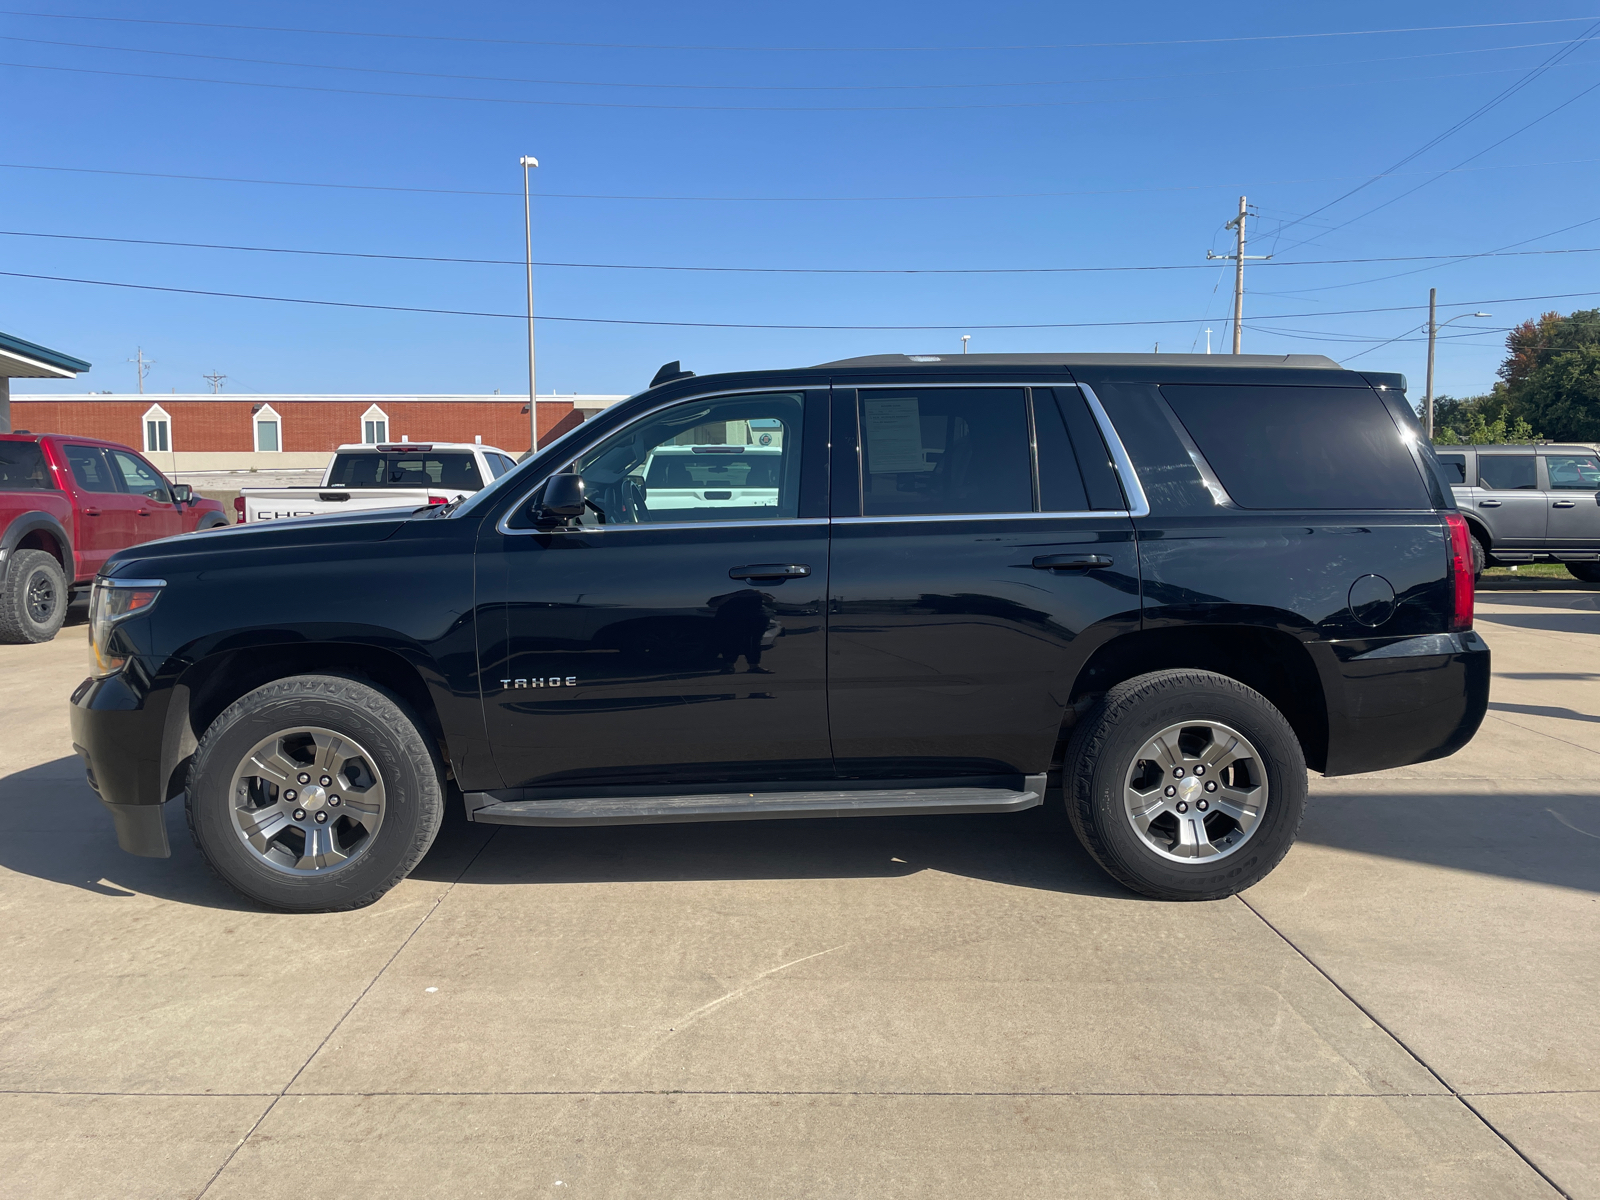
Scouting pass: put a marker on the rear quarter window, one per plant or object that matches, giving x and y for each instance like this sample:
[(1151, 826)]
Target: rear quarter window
[(23, 469), (1300, 447)]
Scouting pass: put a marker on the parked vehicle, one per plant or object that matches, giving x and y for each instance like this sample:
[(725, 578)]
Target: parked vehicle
[(66, 505), (1164, 585), (396, 475), (1529, 503)]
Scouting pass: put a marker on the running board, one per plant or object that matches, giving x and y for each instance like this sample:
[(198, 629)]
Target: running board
[(769, 806)]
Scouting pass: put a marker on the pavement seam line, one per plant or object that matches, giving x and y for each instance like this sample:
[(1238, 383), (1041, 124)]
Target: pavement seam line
[(1415, 1057), (371, 983)]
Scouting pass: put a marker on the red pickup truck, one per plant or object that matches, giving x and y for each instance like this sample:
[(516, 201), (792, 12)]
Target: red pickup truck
[(66, 505)]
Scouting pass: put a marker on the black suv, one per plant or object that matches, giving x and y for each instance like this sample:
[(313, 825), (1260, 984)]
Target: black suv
[(898, 584)]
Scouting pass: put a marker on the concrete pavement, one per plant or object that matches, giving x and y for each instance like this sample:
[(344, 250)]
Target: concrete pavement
[(918, 1007)]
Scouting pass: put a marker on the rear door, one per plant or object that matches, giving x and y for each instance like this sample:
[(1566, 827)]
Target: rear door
[(104, 511), (1572, 490), (156, 515), (981, 549), (1509, 500)]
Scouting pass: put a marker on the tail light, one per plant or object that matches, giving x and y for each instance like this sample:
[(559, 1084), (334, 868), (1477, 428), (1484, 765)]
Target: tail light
[(238, 510), (438, 500), (1460, 570)]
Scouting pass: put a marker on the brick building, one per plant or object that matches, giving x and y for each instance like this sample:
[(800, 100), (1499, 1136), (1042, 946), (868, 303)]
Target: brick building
[(193, 433)]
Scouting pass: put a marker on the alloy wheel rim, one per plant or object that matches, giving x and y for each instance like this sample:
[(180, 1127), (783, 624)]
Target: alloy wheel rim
[(41, 598), (1196, 792), (307, 801)]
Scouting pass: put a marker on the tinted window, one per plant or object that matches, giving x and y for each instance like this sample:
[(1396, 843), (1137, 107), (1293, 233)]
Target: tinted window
[(1573, 472), (22, 467), (1454, 469), (1291, 447), (734, 459), (139, 476), (90, 469), (417, 469), (945, 450), (1506, 472), (1075, 470)]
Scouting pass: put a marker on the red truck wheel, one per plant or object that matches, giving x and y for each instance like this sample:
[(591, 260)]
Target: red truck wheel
[(35, 599)]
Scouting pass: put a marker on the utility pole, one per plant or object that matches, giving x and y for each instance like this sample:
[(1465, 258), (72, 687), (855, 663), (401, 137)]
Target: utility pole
[(1433, 328), (144, 365), (527, 219), (215, 380), (1238, 258)]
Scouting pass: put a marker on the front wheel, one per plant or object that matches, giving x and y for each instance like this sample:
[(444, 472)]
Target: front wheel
[(35, 600), (1589, 572), (315, 793), (1185, 785)]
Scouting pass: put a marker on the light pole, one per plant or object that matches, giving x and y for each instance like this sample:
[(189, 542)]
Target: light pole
[(965, 338), (527, 222), (1433, 329)]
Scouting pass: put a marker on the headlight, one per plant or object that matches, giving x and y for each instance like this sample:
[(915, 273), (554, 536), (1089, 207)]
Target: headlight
[(110, 602)]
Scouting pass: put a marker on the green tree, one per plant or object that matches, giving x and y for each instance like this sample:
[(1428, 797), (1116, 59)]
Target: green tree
[(1551, 375)]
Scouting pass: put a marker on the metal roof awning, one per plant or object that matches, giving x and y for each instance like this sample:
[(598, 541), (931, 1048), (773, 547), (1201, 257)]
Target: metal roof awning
[(21, 359)]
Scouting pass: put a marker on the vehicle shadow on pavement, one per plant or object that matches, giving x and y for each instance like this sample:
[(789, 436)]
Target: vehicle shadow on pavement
[(1552, 839)]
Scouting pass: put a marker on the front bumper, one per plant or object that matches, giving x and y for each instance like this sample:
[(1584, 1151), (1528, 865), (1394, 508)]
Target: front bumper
[(118, 731), (1393, 702)]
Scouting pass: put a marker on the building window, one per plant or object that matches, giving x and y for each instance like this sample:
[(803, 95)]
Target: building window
[(269, 430), (374, 426), (157, 430)]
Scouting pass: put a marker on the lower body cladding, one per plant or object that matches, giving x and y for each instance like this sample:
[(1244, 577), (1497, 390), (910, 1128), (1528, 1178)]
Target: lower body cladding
[(600, 807), (1397, 701)]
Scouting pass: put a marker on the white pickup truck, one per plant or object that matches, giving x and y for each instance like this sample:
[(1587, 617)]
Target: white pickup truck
[(390, 475)]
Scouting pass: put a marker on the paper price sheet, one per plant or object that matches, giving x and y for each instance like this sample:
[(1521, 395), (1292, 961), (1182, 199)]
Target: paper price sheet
[(893, 427)]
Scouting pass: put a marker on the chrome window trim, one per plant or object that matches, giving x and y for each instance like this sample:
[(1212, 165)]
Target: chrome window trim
[(1011, 516), (1133, 491)]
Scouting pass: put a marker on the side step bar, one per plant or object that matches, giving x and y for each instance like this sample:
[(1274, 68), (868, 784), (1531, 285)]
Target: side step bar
[(770, 806)]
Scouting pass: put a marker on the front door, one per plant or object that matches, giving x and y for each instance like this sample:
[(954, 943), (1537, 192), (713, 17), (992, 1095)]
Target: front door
[(1573, 501), (984, 554), (1510, 502), (672, 636), (155, 514)]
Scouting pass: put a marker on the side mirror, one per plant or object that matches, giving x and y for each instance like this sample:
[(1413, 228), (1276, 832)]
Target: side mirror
[(563, 498), (182, 493)]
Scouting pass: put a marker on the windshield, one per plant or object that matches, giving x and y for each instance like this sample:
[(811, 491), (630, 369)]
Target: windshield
[(419, 469)]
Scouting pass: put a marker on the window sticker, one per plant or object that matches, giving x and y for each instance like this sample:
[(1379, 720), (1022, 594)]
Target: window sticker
[(893, 426)]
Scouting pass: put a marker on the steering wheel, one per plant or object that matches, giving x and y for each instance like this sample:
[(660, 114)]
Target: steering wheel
[(632, 493)]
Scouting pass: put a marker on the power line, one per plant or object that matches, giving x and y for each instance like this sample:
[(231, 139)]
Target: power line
[(759, 87), (373, 187), (522, 316), (612, 104), (423, 37), (517, 262), (1482, 110)]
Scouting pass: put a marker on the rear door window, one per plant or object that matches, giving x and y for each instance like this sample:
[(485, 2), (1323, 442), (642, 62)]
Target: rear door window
[(1075, 470), (945, 451), (1300, 447), (90, 470), (1507, 473), (1573, 472), (22, 468), (1453, 468)]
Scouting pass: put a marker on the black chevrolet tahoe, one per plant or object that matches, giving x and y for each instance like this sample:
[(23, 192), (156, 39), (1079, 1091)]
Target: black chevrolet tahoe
[(1152, 588)]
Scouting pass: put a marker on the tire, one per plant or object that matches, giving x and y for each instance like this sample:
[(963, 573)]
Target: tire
[(384, 800), (1480, 557), (1589, 572), (1105, 765), (36, 598)]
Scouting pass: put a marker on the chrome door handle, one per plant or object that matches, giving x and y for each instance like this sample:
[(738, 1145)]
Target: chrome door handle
[(1565, 504), (1071, 562), (770, 571), (1488, 504)]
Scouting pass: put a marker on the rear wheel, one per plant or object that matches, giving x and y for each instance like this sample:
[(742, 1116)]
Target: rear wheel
[(1185, 785), (35, 600), (1589, 572), (315, 793), (1480, 557)]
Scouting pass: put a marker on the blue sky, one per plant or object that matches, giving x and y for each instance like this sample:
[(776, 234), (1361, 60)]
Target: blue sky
[(787, 137)]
